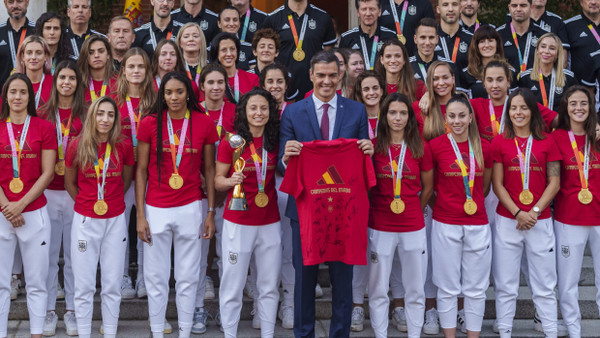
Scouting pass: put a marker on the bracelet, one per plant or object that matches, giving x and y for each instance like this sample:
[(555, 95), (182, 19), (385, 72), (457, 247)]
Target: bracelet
[(515, 215), (212, 210)]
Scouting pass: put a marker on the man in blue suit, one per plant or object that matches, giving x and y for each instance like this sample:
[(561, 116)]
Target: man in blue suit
[(321, 116)]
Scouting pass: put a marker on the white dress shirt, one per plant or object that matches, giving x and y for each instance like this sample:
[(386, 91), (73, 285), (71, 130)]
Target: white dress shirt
[(330, 112)]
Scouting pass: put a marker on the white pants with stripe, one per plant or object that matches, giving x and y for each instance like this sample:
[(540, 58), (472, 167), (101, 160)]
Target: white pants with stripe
[(34, 245), (412, 250), (60, 209), (239, 243), (462, 259), (570, 246), (201, 289), (539, 244), (97, 240), (179, 227)]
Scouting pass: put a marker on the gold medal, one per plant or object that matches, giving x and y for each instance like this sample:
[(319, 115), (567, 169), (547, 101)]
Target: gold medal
[(299, 55), (176, 181), (402, 38), (100, 207), (397, 206), (16, 185), (585, 196), (470, 207), (59, 168), (261, 200), (526, 197)]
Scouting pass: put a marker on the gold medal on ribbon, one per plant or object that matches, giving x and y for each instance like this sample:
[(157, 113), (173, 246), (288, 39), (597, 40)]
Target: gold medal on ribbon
[(176, 181), (397, 206), (299, 55), (470, 207), (402, 38), (16, 185), (59, 168), (585, 196), (100, 207), (261, 200), (526, 197)]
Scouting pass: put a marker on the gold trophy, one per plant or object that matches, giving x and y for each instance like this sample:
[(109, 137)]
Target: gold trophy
[(238, 200)]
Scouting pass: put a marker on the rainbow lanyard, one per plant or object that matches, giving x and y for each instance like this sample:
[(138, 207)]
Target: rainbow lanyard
[(93, 91), (134, 121), (261, 171), (62, 136), (454, 51), (17, 147), (399, 23), (584, 168), (11, 45), (548, 103), (38, 95), (524, 161), (176, 156), (594, 33), (236, 86), (397, 167), (522, 58), (501, 128), (104, 170), (468, 178), (189, 73), (245, 29), (495, 124), (298, 39), (220, 123), (373, 132), (369, 61)]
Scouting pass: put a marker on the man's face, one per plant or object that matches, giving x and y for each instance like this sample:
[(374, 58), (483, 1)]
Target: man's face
[(539, 3), (449, 11), (240, 3), (80, 12), (426, 38), (590, 7), (16, 9), (520, 10), (325, 77), (368, 12), (162, 8), (120, 36), (469, 8)]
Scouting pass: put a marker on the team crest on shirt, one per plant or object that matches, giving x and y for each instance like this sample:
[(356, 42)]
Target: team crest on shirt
[(564, 250), (82, 245), (374, 257), (379, 45), (463, 47), (412, 9), (559, 90), (204, 25), (312, 24), (534, 41), (242, 57), (546, 27), (233, 257), (252, 26)]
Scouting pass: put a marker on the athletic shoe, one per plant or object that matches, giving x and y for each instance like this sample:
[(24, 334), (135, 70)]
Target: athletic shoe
[(495, 326), (15, 287), (358, 319), (460, 321), (140, 288), (286, 315), (399, 319), (50, 324), (166, 330), (318, 291), (200, 319), (218, 321), (70, 323), (209, 290), (562, 330), (249, 290), (432, 323), (127, 290), (60, 292), (255, 316)]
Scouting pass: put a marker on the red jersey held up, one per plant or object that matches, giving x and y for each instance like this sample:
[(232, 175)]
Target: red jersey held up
[(330, 180)]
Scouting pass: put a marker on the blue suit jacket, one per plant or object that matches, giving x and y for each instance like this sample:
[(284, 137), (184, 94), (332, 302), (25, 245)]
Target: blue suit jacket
[(299, 122)]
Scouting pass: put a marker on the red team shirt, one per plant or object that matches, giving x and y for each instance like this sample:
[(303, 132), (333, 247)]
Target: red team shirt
[(247, 82), (542, 151), (449, 186), (201, 131), (567, 208), (255, 215), (381, 216), (330, 180), (46, 89), (41, 135), (421, 118), (87, 183), (421, 89), (228, 116), (112, 85)]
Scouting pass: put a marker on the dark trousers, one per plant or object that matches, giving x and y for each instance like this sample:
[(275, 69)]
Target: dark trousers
[(340, 275)]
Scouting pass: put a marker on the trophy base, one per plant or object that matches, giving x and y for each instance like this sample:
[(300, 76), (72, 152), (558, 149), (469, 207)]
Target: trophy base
[(238, 204)]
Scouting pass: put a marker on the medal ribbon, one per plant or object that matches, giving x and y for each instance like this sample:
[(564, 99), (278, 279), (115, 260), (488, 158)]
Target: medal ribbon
[(236, 86), (261, 171), (501, 129), (468, 178), (455, 50), (189, 73), (522, 58), (220, 123), (594, 33), (476, 24), (399, 23), (548, 104), (153, 37), (157, 79), (62, 138), (176, 157), (495, 124), (17, 148), (423, 71), (397, 181), (373, 132), (524, 162), (369, 61), (38, 95), (11, 44), (584, 168), (132, 121), (248, 13), (104, 170), (298, 40), (283, 105), (93, 91)]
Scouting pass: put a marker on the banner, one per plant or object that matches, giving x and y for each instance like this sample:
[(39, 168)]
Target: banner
[(133, 10)]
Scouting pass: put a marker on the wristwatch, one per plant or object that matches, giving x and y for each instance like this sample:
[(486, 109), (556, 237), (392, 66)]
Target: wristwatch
[(537, 209)]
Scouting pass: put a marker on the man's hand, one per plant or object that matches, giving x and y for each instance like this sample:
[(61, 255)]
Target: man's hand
[(366, 146), (292, 148)]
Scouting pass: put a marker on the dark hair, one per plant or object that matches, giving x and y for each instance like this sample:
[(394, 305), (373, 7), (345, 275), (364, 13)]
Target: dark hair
[(179, 66), (485, 32), (530, 1), (160, 106), (215, 67), (564, 121), (536, 123), (472, 130), (407, 84), (5, 113), (426, 22), (79, 108), (83, 64), (271, 132), (274, 66), (498, 64), (213, 55), (227, 8), (325, 56), (357, 2), (64, 49), (266, 33), (357, 92), (411, 131)]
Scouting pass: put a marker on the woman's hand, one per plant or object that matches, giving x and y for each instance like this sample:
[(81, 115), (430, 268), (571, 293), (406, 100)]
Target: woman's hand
[(12, 210), (143, 230), (235, 179), (526, 220), (209, 226)]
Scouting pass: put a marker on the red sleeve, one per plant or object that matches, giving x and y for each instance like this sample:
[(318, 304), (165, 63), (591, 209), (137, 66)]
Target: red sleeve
[(553, 150), (426, 163), (419, 116), (71, 153), (548, 116), (292, 183), (421, 89), (145, 131), (487, 154), (497, 149), (127, 150), (49, 136), (225, 153)]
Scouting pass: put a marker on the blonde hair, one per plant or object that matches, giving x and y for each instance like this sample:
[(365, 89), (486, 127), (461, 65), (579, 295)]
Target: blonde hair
[(559, 79), (20, 66), (89, 140), (203, 53), (434, 126), (148, 95)]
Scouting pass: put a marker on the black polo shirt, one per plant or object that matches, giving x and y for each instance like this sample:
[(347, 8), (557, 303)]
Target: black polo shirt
[(255, 22), (143, 36), (525, 81), (207, 19), (583, 45), (352, 40), (474, 88), (289, 95), (416, 10), (319, 34), (447, 42), (471, 28), (117, 65), (246, 58), (554, 23), (77, 41), (527, 43), (6, 62)]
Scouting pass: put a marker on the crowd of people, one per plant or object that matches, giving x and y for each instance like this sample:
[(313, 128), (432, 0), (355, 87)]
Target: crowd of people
[(482, 145)]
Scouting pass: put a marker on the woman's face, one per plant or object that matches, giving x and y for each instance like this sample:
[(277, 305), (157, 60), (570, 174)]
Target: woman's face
[(458, 118), (397, 116), (275, 84), (371, 92), (547, 50), (190, 40), (98, 56), (519, 112), (17, 96), (355, 65), (135, 70), (578, 107), (214, 86), (487, 47), (105, 118), (176, 95), (257, 111), (392, 59), (496, 83), (227, 53), (34, 56), (229, 21), (51, 31), (266, 51), (443, 81), (167, 59), (66, 82)]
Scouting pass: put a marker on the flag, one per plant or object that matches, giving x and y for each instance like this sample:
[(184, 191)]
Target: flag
[(133, 10)]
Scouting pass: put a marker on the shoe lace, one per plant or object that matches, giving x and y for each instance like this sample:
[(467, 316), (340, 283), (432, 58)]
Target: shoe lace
[(201, 316)]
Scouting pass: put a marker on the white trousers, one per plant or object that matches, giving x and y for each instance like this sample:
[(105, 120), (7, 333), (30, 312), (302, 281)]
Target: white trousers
[(34, 244), (129, 203), (179, 227), (462, 259), (570, 246), (97, 240), (239, 242), (412, 250), (539, 244), (60, 209), (201, 289)]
